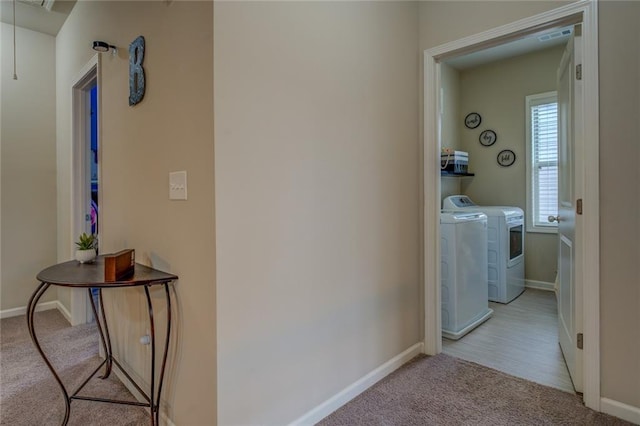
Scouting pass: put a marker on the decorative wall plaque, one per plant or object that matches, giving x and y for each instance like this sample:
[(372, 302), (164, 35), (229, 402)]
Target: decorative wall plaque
[(506, 158), (472, 120), (136, 72), (488, 137)]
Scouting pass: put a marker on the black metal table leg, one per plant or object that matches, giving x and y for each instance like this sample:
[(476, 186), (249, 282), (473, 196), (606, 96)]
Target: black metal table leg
[(152, 402), (166, 351), (106, 344), (107, 349), (70, 274), (31, 309)]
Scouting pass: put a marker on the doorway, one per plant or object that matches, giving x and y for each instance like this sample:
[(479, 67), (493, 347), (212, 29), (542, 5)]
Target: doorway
[(587, 258), (86, 197), (493, 85)]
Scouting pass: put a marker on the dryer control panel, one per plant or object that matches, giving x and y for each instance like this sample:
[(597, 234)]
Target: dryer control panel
[(456, 201)]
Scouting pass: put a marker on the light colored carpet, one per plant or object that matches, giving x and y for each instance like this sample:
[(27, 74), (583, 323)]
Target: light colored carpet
[(29, 395), (443, 390)]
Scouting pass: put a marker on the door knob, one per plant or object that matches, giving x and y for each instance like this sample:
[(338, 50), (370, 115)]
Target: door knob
[(553, 219)]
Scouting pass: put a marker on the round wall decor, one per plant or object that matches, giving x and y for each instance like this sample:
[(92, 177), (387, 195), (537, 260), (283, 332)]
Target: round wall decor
[(472, 120), (506, 157), (488, 137)]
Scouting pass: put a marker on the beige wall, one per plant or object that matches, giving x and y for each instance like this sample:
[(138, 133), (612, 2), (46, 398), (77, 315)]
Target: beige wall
[(170, 130), (619, 37), (445, 21), (450, 131), (619, 111), (318, 272), (497, 91), (28, 166), (316, 111)]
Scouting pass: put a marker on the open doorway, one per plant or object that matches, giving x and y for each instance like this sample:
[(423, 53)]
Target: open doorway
[(586, 270), (86, 170), (521, 337)]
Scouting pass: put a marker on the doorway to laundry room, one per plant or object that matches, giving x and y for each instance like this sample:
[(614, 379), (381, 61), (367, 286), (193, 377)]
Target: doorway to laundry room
[(499, 139), (578, 284)]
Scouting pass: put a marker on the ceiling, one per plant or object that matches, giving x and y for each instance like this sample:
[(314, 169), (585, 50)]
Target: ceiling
[(37, 18), (539, 41)]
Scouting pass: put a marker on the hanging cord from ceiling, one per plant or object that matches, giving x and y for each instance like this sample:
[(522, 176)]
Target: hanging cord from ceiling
[(15, 75)]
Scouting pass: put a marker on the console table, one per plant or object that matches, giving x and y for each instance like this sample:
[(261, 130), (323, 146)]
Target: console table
[(91, 275)]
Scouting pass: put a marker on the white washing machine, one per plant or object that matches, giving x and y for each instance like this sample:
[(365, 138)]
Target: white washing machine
[(505, 236), (463, 272)]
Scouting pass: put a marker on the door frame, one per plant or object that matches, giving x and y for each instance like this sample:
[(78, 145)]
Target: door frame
[(79, 310), (588, 255)]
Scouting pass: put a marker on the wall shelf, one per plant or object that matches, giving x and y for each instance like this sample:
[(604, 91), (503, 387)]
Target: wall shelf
[(452, 174)]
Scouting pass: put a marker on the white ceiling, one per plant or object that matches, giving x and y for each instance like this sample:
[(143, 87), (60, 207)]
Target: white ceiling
[(49, 22), (522, 46), (37, 18)]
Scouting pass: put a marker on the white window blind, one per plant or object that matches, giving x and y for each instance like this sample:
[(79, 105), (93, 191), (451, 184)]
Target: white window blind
[(542, 140)]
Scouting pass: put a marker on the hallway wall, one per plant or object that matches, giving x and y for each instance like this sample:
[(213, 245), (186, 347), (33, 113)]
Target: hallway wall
[(27, 164), (170, 130), (316, 200)]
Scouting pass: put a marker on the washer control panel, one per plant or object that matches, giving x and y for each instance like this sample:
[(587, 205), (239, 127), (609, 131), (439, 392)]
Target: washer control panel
[(456, 201)]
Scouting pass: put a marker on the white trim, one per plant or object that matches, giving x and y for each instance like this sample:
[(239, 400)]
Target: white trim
[(347, 394), (590, 246), (584, 11), (80, 313), (494, 37), (127, 384), (432, 313), (164, 419), (45, 306), (65, 313), (22, 310), (540, 285), (620, 410)]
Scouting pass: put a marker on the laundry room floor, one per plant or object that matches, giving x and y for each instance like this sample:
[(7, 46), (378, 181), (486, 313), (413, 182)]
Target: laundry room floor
[(521, 339)]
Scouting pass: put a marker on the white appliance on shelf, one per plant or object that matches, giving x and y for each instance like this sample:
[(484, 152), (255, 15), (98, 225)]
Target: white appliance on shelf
[(463, 273), (505, 257)]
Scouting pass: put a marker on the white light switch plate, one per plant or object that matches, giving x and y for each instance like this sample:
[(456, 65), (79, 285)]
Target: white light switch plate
[(178, 185)]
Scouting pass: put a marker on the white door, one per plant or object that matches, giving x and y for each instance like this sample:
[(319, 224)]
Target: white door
[(569, 286)]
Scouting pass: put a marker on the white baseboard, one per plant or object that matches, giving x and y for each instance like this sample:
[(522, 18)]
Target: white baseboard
[(164, 418), (620, 410), (8, 313), (65, 313), (347, 394), (540, 285)]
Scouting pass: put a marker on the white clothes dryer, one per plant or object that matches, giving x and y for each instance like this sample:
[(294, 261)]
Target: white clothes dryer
[(463, 272), (505, 255)]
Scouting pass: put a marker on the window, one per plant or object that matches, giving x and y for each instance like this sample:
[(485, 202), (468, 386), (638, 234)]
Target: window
[(542, 163)]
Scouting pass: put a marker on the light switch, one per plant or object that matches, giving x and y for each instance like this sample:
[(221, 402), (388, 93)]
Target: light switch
[(178, 185)]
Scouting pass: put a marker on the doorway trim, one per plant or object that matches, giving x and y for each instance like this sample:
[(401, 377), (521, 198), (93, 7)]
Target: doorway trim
[(588, 262), (90, 72)]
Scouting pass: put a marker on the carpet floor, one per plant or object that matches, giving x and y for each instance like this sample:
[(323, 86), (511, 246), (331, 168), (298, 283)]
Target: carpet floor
[(442, 390), (439, 390), (29, 395)]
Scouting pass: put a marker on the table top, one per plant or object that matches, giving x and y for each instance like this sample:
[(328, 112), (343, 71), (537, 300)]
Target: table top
[(76, 274)]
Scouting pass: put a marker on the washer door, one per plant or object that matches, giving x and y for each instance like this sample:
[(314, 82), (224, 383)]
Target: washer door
[(516, 242)]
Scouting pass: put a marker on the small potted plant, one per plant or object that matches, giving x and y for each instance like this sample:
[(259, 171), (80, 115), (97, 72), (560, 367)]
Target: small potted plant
[(87, 245)]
